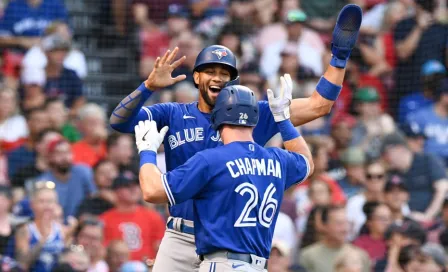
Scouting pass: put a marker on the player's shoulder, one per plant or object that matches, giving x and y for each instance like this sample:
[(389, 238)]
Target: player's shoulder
[(173, 107)]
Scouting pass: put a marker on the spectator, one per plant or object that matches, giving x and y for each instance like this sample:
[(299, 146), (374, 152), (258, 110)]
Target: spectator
[(37, 121), (148, 13), (432, 73), (411, 259), (190, 44), (396, 196), (142, 229), (13, 128), (117, 255), (433, 121), (24, 22), (378, 219), (76, 257), (424, 175), (435, 260), (120, 150), (75, 59), (374, 185), (73, 182), (313, 228), (92, 125), (38, 243), (310, 48), (155, 40), (58, 115), (185, 92), (372, 123), (349, 260), (33, 81), (231, 37), (25, 175), (90, 235), (283, 243), (418, 38), (353, 160), (6, 227), (322, 13), (415, 137), (335, 227), (61, 82), (104, 174), (210, 16), (251, 78)]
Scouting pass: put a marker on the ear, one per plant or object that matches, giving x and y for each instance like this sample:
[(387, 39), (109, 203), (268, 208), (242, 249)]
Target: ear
[(196, 77)]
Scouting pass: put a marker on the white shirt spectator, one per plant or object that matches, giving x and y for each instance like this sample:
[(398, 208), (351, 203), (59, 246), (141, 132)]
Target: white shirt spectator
[(356, 216), (310, 53), (75, 60), (13, 129)]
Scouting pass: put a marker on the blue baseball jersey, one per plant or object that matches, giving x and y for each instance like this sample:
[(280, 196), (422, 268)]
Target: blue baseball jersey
[(237, 190), (49, 254), (190, 131), (22, 19)]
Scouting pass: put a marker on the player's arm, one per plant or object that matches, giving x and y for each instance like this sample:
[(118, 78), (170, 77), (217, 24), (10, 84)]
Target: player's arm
[(176, 186), (345, 34), (129, 112)]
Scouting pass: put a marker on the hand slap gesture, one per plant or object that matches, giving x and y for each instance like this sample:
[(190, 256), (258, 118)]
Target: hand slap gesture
[(279, 105), (147, 137), (160, 76)]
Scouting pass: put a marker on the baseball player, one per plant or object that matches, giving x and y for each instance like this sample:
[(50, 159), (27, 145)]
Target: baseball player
[(189, 124), (236, 188)]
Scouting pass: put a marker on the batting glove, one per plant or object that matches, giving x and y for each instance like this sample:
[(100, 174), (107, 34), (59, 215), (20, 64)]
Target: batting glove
[(147, 137), (345, 34), (280, 105)]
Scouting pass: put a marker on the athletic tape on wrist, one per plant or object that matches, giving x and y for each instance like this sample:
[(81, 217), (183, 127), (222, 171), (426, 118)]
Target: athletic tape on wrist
[(148, 156), (327, 89), (146, 93), (287, 130)]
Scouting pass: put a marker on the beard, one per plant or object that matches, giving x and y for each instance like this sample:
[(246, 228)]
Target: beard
[(61, 168), (203, 91)]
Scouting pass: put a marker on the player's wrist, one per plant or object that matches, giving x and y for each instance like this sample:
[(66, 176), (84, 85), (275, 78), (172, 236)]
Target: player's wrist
[(287, 130), (148, 156), (328, 90), (145, 87)]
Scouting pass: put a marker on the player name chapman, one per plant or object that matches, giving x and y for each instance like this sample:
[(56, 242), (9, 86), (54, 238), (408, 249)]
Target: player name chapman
[(189, 135), (249, 166)]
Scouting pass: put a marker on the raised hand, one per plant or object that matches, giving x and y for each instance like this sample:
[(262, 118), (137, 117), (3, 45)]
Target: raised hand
[(280, 105), (147, 137), (160, 76)]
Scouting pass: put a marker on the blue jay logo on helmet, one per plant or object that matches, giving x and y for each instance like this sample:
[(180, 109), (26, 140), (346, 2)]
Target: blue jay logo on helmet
[(220, 53)]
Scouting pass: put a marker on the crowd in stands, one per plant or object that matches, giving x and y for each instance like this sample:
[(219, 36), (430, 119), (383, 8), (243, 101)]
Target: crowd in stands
[(377, 201)]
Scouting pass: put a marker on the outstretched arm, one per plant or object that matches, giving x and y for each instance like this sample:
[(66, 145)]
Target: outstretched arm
[(129, 112), (345, 34)]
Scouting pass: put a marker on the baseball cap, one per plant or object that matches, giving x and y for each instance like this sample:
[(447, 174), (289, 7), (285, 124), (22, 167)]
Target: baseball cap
[(432, 67), (353, 156), (395, 181), (410, 229), (435, 251), (393, 139), (33, 75), (124, 180), (411, 130), (55, 42), (295, 16), (134, 266), (175, 10), (367, 94), (343, 118)]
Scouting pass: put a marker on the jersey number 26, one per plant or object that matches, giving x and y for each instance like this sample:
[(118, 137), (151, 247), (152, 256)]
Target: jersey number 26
[(267, 204)]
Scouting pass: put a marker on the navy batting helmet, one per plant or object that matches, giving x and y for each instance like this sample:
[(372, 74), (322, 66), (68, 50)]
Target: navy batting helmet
[(235, 105), (217, 54)]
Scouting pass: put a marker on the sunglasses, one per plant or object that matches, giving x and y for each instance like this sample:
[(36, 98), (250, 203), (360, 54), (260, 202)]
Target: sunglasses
[(372, 176)]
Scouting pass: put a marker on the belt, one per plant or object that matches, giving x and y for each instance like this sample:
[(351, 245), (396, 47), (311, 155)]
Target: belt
[(183, 228), (247, 258)]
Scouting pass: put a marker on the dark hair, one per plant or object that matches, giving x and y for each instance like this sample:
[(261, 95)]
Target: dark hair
[(99, 163), (231, 29), (369, 208), (409, 253), (428, 5), (52, 100), (310, 233), (113, 139), (28, 113), (327, 210), (88, 222)]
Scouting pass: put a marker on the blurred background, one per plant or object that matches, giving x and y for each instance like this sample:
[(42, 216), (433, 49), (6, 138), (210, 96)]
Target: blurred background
[(69, 195)]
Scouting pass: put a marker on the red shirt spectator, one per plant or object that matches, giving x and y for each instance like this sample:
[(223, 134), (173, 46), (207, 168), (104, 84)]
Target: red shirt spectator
[(85, 153), (374, 247), (140, 228)]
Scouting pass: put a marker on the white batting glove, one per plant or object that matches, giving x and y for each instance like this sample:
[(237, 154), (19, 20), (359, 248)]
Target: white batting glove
[(280, 105), (147, 137)]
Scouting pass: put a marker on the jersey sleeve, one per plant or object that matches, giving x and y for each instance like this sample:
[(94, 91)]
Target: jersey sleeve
[(187, 180), (266, 127), (297, 167)]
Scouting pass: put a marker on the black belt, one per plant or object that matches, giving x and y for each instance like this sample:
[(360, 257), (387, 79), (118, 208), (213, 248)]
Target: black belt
[(183, 228), (239, 257)]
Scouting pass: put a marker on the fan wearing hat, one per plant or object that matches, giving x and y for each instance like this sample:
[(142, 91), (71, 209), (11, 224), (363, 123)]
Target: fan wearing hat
[(424, 176), (433, 122), (415, 137), (432, 73), (396, 197), (372, 124), (309, 46)]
